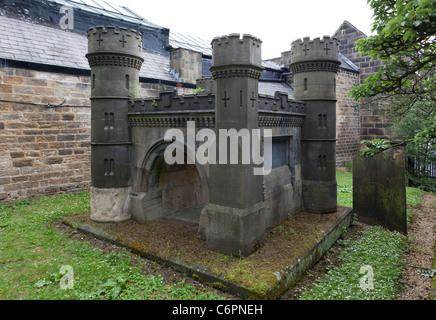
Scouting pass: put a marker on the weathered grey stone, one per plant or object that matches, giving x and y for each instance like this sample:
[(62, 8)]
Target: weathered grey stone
[(320, 196), (114, 56), (281, 199), (128, 145), (379, 190), (233, 222), (314, 65), (207, 84), (110, 204), (233, 230), (145, 207)]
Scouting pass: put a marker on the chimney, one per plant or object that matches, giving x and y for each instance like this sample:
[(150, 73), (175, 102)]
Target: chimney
[(186, 64)]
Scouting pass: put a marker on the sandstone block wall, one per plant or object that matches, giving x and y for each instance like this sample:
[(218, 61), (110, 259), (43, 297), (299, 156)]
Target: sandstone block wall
[(347, 118), (373, 124), (43, 149)]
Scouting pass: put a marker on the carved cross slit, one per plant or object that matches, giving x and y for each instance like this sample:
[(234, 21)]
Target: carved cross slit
[(99, 40), (326, 49), (123, 41), (253, 99), (225, 99)]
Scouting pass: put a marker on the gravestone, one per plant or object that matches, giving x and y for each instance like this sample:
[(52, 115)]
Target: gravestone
[(379, 189)]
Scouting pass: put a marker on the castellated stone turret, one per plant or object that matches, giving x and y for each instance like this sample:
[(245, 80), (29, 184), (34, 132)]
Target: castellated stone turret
[(234, 50), (233, 221), (314, 64), (114, 56), (236, 69)]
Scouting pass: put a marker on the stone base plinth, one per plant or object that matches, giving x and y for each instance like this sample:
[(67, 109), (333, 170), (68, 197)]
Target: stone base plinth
[(231, 230), (320, 196), (110, 204)]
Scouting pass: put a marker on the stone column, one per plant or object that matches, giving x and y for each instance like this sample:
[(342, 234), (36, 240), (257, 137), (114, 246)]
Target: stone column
[(114, 56), (314, 64), (233, 221)]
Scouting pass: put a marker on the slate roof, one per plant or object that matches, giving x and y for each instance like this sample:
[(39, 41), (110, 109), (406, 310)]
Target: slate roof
[(58, 47), (347, 64), (271, 65), (179, 40), (108, 9), (50, 46), (63, 48), (270, 88)]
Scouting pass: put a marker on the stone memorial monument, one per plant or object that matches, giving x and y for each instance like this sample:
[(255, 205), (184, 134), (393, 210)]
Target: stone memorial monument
[(131, 136)]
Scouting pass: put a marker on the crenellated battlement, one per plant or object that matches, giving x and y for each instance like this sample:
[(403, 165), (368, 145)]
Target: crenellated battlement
[(115, 41), (171, 101), (236, 50), (173, 110), (318, 49), (233, 38), (207, 84)]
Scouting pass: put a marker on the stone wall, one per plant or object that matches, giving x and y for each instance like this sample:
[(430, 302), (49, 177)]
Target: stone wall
[(373, 124), (46, 149), (348, 35), (347, 118)]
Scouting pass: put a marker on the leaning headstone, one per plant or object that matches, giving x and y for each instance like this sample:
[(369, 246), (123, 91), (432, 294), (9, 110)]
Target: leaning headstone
[(379, 189)]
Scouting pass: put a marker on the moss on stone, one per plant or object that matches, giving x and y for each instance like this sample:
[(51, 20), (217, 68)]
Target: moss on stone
[(262, 275), (218, 285)]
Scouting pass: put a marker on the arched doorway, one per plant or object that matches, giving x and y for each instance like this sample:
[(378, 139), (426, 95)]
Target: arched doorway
[(162, 190), (182, 191)]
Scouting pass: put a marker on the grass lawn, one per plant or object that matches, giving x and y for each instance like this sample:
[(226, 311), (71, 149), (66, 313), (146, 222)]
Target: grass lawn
[(38, 262), (371, 266)]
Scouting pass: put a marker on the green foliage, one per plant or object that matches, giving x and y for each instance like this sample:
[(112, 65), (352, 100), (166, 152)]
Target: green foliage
[(33, 252), (381, 250), (111, 288), (405, 41), (414, 201), (414, 197), (345, 188), (424, 183), (427, 272), (376, 247), (419, 129), (374, 146), (428, 134), (198, 90)]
